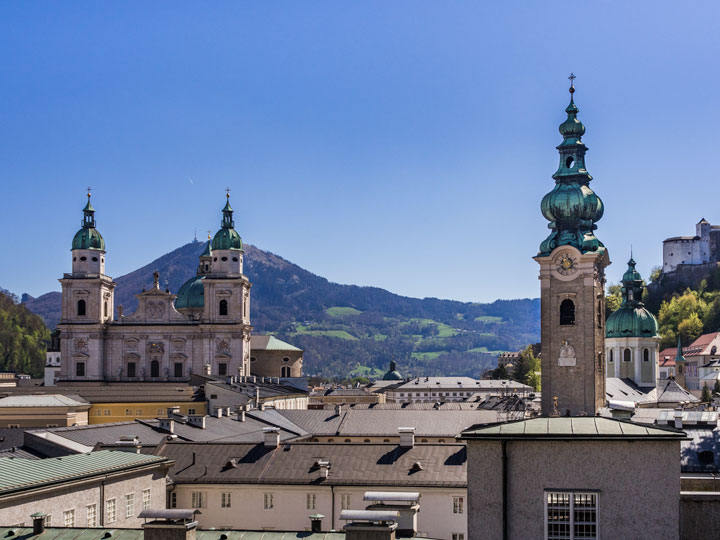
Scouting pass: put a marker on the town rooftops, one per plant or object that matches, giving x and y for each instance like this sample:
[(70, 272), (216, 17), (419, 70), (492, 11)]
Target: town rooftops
[(120, 392), (43, 400), (381, 464), (100, 533), (25, 474), (572, 428), (270, 343), (461, 383)]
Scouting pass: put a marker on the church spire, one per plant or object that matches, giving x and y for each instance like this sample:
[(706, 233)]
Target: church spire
[(632, 286), (572, 208), (88, 213), (227, 220)]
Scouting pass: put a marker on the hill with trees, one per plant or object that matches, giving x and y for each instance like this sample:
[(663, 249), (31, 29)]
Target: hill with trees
[(348, 330), (23, 337)]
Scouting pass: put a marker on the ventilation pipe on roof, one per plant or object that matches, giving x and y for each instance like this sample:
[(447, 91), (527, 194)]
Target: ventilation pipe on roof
[(407, 437), (173, 411), (406, 504), (324, 466), (364, 524), (219, 412), (167, 424), (227, 411), (272, 437), (316, 522), (38, 522), (677, 416), (241, 415), (338, 409)]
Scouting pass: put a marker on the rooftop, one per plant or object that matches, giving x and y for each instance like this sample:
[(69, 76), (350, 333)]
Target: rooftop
[(42, 400), (71, 533), (120, 392), (572, 428), (25, 474), (270, 343), (432, 465)]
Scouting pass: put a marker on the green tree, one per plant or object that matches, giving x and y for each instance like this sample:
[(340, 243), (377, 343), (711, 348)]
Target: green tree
[(690, 328), (526, 368), (23, 337), (500, 372), (655, 273), (681, 308), (613, 299), (706, 396), (716, 388)]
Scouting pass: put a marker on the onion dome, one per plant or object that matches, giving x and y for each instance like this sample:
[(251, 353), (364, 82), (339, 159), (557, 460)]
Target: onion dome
[(392, 374), (227, 237), (88, 236), (632, 319), (191, 295), (572, 208)]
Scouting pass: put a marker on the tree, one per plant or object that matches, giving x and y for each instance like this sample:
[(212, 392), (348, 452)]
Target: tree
[(526, 368), (706, 397), (681, 308), (716, 388), (690, 328), (655, 273), (500, 372), (613, 300)]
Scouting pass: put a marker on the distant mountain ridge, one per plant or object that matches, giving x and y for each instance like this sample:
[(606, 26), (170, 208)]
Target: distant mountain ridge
[(347, 329)]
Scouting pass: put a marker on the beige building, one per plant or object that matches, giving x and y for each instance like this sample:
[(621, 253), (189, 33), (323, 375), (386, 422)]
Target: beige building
[(271, 357), (336, 397), (451, 389), (572, 478), (97, 489), (278, 485), (48, 410)]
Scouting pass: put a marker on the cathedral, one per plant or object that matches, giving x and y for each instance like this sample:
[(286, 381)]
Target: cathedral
[(204, 329)]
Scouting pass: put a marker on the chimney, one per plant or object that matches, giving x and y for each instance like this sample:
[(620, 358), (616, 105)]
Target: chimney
[(316, 522), (227, 411), (407, 437), (218, 412), (272, 437), (208, 369), (405, 503), (197, 420), (338, 409), (677, 416), (38, 522), (167, 424), (241, 415), (324, 466), (229, 379), (173, 411), (369, 524), (169, 524)]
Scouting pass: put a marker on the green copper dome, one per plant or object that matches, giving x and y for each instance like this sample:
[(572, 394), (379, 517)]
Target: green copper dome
[(88, 236), (632, 319), (392, 374), (227, 237), (191, 294), (572, 208)]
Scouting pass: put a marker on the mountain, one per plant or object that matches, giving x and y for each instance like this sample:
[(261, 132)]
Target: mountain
[(346, 329)]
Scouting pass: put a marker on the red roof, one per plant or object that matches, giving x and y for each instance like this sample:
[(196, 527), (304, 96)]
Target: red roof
[(702, 345)]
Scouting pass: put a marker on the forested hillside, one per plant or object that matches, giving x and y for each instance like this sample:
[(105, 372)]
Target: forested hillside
[(346, 329), (23, 337)]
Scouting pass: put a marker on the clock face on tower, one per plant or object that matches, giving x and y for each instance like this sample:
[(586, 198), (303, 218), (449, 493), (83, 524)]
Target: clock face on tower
[(566, 264)]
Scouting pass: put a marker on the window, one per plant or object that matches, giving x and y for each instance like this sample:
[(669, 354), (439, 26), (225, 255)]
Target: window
[(268, 501), (191, 411), (105, 309), (646, 355), (222, 369), (458, 536), (285, 371), (173, 499), (131, 369), (91, 512), (345, 501), (252, 359), (48, 520), (458, 505), (610, 357), (223, 308), (198, 499), (571, 515), (567, 312), (154, 368), (128, 412), (225, 500), (627, 355), (80, 369), (146, 499), (110, 510), (130, 505), (69, 518), (106, 412), (286, 359), (178, 369), (310, 500), (81, 308)]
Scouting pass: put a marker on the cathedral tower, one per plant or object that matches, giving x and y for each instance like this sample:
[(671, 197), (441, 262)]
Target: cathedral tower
[(572, 283)]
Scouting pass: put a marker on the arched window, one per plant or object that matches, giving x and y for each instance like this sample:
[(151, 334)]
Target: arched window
[(105, 308), (223, 307), (81, 308), (285, 371), (646, 355), (567, 312), (610, 357), (154, 368), (627, 355)]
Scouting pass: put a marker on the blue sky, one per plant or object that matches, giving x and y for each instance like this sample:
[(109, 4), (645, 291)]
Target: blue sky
[(402, 144)]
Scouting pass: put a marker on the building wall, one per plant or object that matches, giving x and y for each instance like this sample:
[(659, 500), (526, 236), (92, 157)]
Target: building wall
[(647, 484), (43, 416), (682, 251), (77, 496), (290, 510), (105, 413), (643, 373), (699, 516), (271, 363)]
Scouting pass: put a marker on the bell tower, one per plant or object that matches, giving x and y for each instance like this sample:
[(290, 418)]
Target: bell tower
[(572, 282)]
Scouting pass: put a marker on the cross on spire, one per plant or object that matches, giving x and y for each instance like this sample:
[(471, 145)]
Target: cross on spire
[(89, 191), (227, 192), (572, 78), (209, 234)]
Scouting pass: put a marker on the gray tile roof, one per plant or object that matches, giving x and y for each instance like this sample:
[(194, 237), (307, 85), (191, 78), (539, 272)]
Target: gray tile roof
[(385, 422), (100, 392), (72, 533), (42, 400), (702, 452), (442, 465), (270, 343)]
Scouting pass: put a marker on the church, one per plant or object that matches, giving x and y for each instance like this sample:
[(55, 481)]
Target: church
[(204, 329)]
